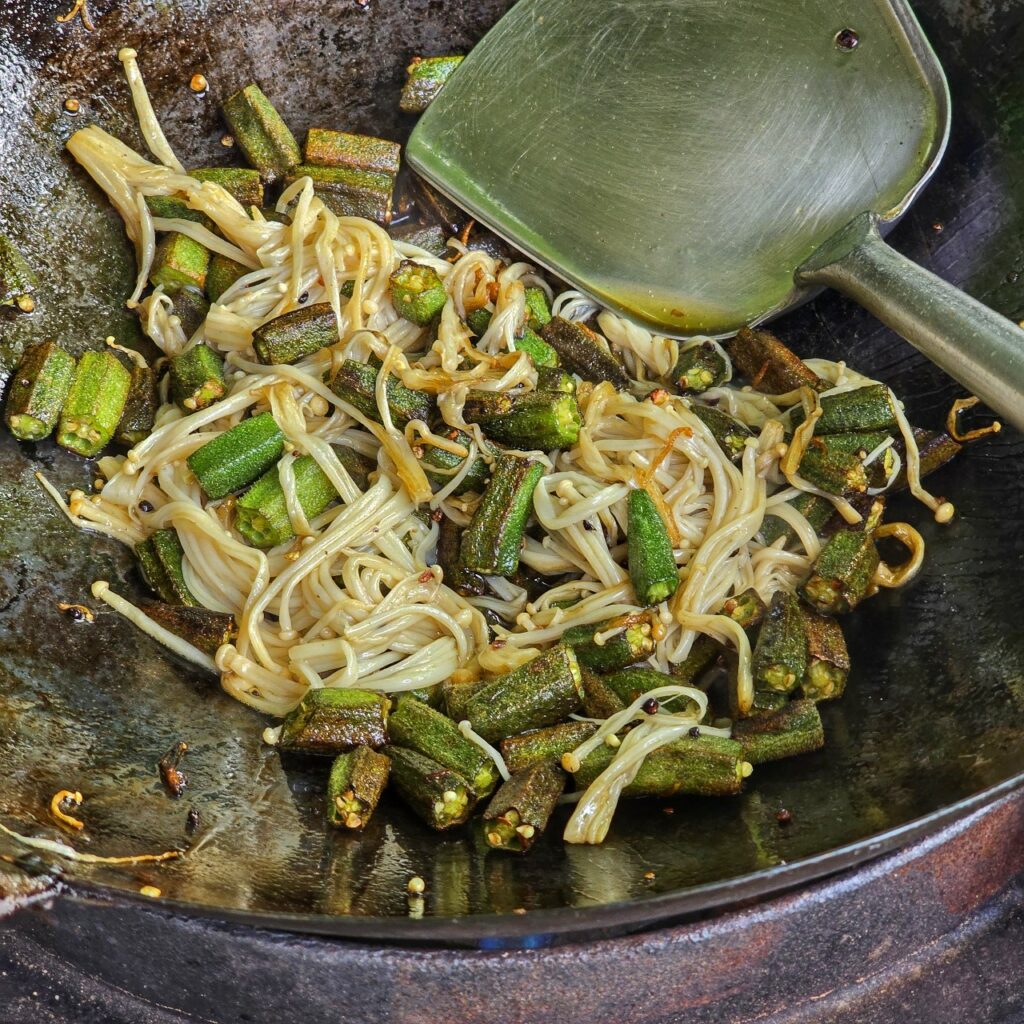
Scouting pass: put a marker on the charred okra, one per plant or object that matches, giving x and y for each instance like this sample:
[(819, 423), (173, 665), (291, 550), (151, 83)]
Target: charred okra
[(160, 560), (173, 208), (39, 387), (425, 77), (935, 449), (190, 307), (585, 353), (17, 279), (238, 456), (347, 192), (357, 780), (520, 810), (842, 574), (417, 292), (441, 797), (793, 729), (356, 383), (330, 721), (295, 335), (703, 656), (326, 148), (241, 182), (652, 566), (261, 133), (204, 629), (770, 365), (95, 401), (730, 434), (441, 465), (456, 575), (430, 238), (613, 644), (780, 656), (179, 262), (139, 414), (599, 699), (832, 469), (828, 661), (532, 420), (866, 408), (747, 609), (221, 275), (814, 508), (544, 746), (456, 697), (700, 367), (197, 378)]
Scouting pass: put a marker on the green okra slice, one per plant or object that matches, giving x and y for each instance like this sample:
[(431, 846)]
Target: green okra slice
[(191, 307), (441, 797), (173, 208), (238, 456), (425, 77), (866, 408), (327, 148), (520, 810), (440, 465), (494, 538), (139, 414), (356, 383), (631, 640), (354, 787), (261, 514), (179, 262), (630, 683), (429, 237), (730, 434), (700, 367), (538, 311), (17, 279), (832, 469), (780, 655), (814, 508), (541, 692), (160, 561), (771, 367), (532, 420), (599, 699), (95, 401), (793, 729), (828, 660), (456, 575), (204, 629), (765, 701), (842, 574), (359, 467), (703, 656), (652, 565), (38, 389), (455, 696), (432, 696), (554, 378), (295, 335), (527, 340), (261, 133), (544, 746), (417, 292), (417, 727), (243, 183), (197, 378), (332, 720), (585, 352), (347, 192), (221, 275), (747, 608)]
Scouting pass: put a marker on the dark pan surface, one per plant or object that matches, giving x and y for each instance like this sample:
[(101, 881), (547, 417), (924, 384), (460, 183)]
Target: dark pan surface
[(934, 714)]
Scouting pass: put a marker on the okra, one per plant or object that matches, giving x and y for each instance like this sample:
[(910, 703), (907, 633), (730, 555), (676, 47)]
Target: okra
[(832, 469), (440, 465), (866, 408), (357, 780), (631, 640), (356, 383), (416, 727), (730, 434), (160, 560), (527, 340), (494, 537), (652, 566), (544, 746), (261, 514), (197, 378), (173, 208), (262, 134), (428, 237), (17, 279), (332, 720), (95, 401), (553, 378), (529, 420), (599, 699), (793, 729), (456, 575), (204, 629), (191, 307), (765, 701), (241, 182), (780, 656), (456, 697), (935, 449), (417, 292), (842, 573), (815, 509), (538, 312), (828, 661), (238, 456), (179, 262), (541, 692), (747, 609), (520, 810), (38, 389), (139, 414), (700, 367), (425, 77), (327, 148), (295, 335), (771, 367), (585, 353), (441, 797), (703, 656), (350, 193), (432, 696), (359, 467), (630, 683), (221, 275)]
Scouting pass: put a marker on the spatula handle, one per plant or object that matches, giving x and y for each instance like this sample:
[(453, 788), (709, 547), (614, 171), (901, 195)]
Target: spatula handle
[(973, 344)]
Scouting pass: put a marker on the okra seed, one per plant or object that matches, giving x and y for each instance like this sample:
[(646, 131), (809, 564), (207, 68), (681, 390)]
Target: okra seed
[(199, 83), (494, 839), (416, 885), (526, 831), (650, 706), (71, 105), (611, 740), (150, 890), (649, 876), (227, 141), (450, 796), (784, 817)]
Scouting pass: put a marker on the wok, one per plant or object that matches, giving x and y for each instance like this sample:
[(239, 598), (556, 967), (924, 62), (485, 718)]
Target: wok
[(933, 722)]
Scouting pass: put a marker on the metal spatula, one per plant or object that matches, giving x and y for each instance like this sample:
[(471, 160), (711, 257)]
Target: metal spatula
[(699, 165)]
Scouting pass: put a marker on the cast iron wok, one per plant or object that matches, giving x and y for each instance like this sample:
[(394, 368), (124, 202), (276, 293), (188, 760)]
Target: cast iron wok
[(933, 720)]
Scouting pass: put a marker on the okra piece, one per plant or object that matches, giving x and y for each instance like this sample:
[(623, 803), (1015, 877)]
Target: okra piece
[(828, 661), (747, 609), (160, 560), (532, 420), (432, 696), (429, 237), (492, 541), (793, 729), (331, 720), (356, 384), (95, 401), (544, 746), (631, 640), (441, 797), (693, 765), (221, 275), (262, 134), (295, 335), (261, 514), (780, 656), (171, 207), (417, 292), (179, 262), (935, 449), (866, 408), (197, 378), (38, 389), (350, 193), (136, 423), (354, 787), (553, 378), (832, 469), (440, 465), (520, 810), (730, 434), (241, 182), (700, 367), (842, 574), (815, 509), (191, 307), (327, 148), (704, 654), (541, 692), (527, 340), (425, 77), (765, 701), (456, 697), (538, 312), (17, 279), (652, 566), (238, 456), (359, 466), (204, 629), (599, 699), (585, 353), (417, 727), (771, 367), (630, 683), (456, 575)]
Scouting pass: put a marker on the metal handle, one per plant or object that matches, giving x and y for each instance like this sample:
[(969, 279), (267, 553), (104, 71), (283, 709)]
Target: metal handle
[(973, 344)]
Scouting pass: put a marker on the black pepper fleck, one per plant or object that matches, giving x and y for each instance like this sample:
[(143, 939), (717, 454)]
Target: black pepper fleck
[(304, 297), (695, 731), (145, 506), (651, 706)]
